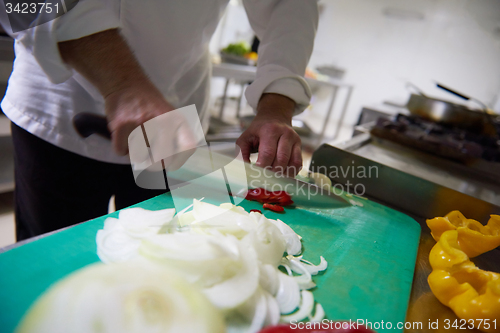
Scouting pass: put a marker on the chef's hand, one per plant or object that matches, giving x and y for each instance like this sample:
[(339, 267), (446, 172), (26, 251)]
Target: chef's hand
[(130, 107), (271, 133)]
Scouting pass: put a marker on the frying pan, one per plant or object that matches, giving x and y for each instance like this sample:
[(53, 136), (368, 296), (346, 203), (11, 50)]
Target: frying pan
[(477, 120)]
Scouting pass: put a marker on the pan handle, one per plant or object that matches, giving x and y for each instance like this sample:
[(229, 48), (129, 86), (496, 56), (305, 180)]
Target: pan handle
[(451, 91), (86, 124), (467, 98)]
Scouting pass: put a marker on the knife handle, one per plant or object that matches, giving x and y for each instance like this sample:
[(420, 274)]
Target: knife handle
[(86, 124)]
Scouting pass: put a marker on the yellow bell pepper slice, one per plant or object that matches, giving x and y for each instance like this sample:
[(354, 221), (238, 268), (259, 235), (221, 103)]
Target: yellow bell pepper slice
[(473, 237), (472, 293)]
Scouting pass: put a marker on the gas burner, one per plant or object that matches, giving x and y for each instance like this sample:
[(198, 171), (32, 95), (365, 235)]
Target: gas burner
[(446, 141)]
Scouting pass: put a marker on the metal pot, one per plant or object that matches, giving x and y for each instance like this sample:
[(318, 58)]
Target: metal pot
[(477, 120), (447, 113)]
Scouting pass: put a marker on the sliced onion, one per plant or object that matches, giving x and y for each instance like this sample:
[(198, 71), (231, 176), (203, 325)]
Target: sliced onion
[(296, 265), (140, 223), (234, 291), (304, 268), (111, 223), (127, 298), (304, 280), (299, 265), (288, 295), (255, 310), (233, 256), (319, 314), (305, 309), (293, 244), (306, 285), (315, 269), (205, 259), (273, 310), (286, 266), (189, 247), (258, 311), (177, 221), (268, 279), (115, 245), (268, 243), (227, 219)]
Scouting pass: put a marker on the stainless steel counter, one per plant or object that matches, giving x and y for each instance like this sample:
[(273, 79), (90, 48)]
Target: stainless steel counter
[(417, 182)]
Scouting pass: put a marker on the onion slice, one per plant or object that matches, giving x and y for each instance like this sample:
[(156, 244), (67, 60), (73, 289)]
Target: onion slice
[(231, 255), (114, 244), (315, 269), (305, 309), (132, 297), (293, 244), (319, 314), (288, 295)]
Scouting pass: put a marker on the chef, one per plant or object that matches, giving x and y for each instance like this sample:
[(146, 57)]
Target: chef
[(131, 61)]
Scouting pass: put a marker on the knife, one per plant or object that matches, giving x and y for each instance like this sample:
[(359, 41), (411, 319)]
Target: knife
[(222, 156), (303, 193)]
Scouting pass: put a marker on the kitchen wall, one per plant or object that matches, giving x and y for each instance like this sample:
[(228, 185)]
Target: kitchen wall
[(455, 42), (383, 44)]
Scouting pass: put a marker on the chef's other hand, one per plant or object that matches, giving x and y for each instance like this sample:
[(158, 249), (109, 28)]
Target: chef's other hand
[(130, 107), (272, 135)]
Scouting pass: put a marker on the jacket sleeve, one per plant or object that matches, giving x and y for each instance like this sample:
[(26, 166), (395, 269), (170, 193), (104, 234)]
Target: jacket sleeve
[(286, 30), (86, 18)]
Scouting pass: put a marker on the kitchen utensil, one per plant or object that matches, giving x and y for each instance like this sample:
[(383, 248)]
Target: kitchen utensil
[(86, 124), (454, 92), (371, 252), (203, 163), (450, 113)]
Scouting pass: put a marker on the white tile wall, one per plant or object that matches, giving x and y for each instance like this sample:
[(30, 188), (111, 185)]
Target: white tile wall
[(456, 43)]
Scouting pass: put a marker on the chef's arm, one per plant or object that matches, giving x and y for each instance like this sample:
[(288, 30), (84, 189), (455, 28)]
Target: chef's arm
[(286, 29), (105, 59), (107, 62), (86, 39)]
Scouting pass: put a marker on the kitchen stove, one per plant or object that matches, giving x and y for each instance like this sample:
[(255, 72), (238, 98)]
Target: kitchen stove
[(449, 142), (423, 169)]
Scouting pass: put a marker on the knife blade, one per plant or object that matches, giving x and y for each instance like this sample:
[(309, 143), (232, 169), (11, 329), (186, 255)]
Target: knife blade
[(302, 193), (242, 175)]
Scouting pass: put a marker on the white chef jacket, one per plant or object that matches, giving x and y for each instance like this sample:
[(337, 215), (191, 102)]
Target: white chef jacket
[(170, 40)]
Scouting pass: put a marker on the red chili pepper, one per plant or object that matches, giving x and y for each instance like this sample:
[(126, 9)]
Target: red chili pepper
[(274, 208), (263, 196), (285, 200), (279, 193), (256, 194), (255, 210)]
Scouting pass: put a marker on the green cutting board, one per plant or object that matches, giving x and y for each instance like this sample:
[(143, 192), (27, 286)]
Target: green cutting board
[(371, 252)]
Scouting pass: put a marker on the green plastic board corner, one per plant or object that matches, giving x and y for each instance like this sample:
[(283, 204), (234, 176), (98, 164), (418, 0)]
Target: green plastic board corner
[(371, 252)]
